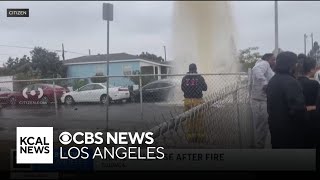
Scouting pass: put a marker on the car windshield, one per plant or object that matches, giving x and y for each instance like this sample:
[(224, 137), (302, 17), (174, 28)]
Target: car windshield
[(110, 85), (156, 84)]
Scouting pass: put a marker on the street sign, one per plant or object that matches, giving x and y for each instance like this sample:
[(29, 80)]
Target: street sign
[(107, 12)]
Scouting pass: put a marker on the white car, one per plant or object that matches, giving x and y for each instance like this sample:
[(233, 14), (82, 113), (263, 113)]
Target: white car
[(95, 92)]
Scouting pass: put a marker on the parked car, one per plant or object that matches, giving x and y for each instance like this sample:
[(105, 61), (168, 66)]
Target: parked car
[(36, 94), (4, 95), (96, 92), (155, 91)]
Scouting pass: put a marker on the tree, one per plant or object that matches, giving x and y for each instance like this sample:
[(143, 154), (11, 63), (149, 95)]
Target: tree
[(248, 58), (42, 64), (16, 66), (153, 57), (47, 63)]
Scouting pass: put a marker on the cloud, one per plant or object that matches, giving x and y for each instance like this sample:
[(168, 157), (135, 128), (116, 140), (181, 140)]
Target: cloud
[(80, 27), (145, 26)]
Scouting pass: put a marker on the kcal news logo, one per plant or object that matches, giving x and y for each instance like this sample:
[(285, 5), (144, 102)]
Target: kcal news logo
[(34, 145)]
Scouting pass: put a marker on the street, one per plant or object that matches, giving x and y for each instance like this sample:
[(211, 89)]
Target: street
[(89, 117)]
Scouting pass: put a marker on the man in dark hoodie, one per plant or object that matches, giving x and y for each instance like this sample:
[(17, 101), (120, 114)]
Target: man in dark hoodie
[(311, 92), (286, 104), (192, 86), (299, 71)]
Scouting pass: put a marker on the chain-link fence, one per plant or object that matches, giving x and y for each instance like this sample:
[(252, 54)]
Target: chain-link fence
[(136, 103), (221, 120)]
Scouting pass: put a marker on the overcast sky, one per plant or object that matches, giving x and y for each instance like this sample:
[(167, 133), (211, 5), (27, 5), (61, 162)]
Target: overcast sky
[(145, 26)]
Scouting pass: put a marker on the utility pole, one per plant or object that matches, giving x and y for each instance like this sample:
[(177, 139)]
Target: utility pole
[(305, 44), (165, 53), (311, 41), (89, 52), (63, 52), (107, 15), (276, 27)]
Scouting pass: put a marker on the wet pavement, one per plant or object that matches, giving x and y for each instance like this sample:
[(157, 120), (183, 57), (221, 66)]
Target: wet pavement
[(122, 117)]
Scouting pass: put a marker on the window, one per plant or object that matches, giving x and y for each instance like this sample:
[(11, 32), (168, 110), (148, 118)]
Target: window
[(97, 86), (100, 69), (127, 70), (87, 87), (110, 85), (5, 89), (151, 86), (164, 85)]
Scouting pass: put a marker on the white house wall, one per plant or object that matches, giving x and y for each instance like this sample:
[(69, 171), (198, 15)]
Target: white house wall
[(8, 85)]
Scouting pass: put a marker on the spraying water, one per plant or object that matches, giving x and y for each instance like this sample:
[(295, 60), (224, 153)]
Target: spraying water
[(203, 33)]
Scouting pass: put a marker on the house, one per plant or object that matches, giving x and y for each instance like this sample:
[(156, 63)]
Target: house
[(120, 64), (6, 82)]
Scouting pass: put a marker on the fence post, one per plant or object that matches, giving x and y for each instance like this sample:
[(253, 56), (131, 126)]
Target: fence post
[(107, 102), (141, 100), (236, 100), (55, 95), (250, 80)]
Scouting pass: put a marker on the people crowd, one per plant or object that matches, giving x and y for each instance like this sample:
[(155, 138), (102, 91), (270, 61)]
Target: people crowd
[(285, 101)]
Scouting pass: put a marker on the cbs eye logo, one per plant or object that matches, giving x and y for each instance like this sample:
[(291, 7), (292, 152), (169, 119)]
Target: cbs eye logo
[(65, 138)]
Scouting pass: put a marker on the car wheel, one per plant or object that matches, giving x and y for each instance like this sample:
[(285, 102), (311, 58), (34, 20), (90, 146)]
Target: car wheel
[(13, 101), (69, 100), (44, 100), (103, 99)]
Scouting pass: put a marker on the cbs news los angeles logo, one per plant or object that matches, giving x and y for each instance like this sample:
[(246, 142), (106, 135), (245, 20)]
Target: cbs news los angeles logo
[(35, 145)]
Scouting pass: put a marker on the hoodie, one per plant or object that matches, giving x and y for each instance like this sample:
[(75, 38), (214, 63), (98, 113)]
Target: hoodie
[(261, 75), (192, 85)]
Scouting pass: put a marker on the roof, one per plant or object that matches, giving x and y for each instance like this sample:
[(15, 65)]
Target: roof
[(103, 57), (168, 62)]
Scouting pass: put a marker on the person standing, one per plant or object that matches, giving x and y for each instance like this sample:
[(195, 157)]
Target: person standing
[(317, 75), (286, 104), (311, 89), (192, 86), (261, 74), (299, 71)]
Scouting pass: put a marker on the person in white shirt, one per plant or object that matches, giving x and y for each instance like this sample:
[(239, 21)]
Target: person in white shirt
[(317, 75), (261, 74)]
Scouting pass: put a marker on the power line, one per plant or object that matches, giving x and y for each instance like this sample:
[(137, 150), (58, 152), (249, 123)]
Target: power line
[(23, 47)]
